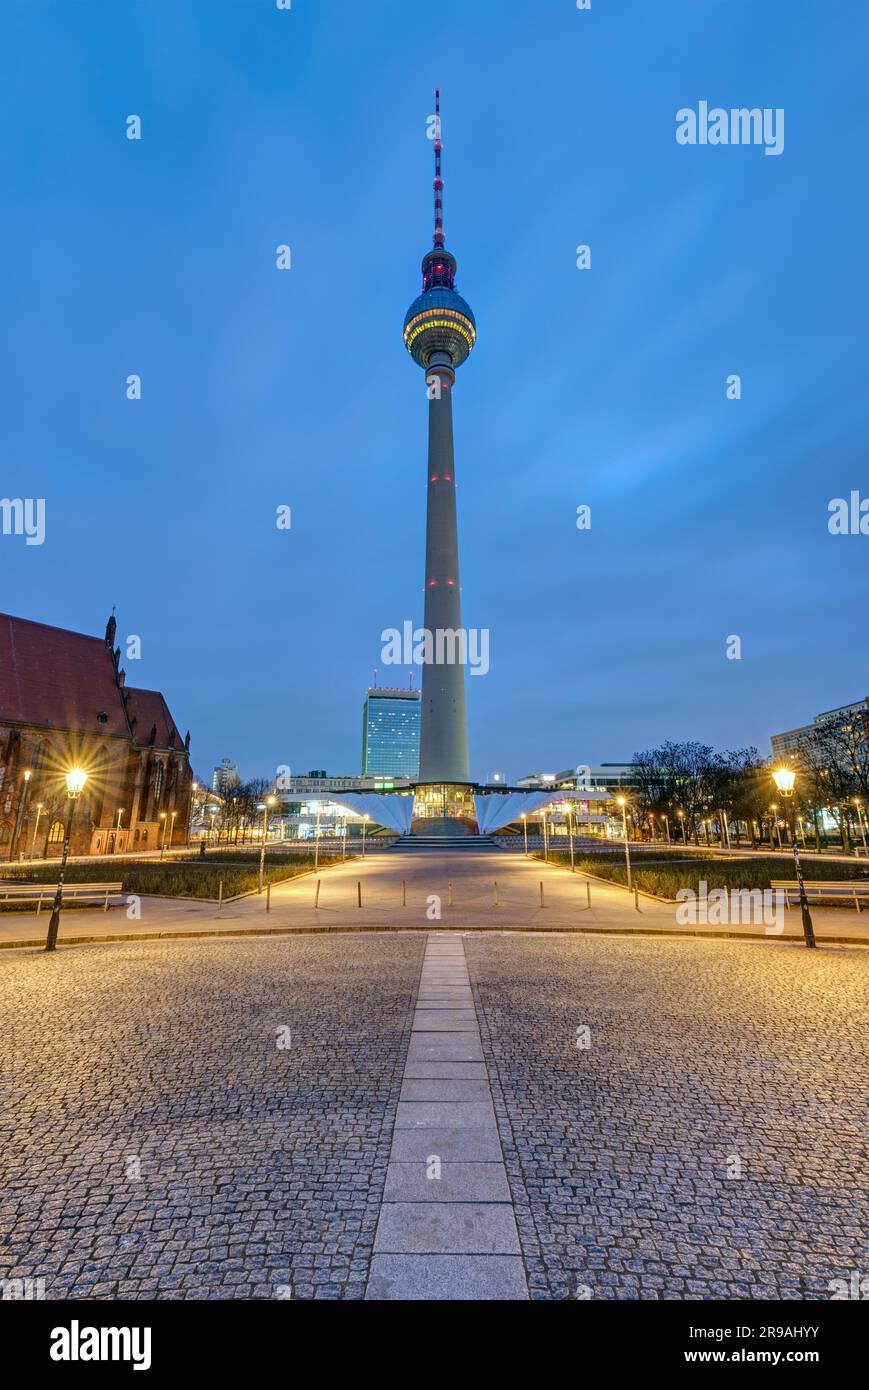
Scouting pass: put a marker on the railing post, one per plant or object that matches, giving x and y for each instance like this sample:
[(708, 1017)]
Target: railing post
[(317, 895)]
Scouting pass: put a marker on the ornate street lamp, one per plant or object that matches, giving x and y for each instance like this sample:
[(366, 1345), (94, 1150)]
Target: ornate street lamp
[(22, 800), (267, 805), (622, 801), (75, 780), (40, 806), (784, 778)]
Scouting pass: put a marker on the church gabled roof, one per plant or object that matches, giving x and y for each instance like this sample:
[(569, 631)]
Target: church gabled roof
[(150, 711), (61, 679), (54, 678)]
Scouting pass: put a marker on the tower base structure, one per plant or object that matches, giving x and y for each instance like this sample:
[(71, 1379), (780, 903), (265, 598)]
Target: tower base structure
[(444, 809)]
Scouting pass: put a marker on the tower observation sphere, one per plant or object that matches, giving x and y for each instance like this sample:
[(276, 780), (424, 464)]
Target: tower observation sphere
[(439, 320)]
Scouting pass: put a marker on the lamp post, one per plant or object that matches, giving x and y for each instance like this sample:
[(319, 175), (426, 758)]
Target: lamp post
[(193, 790), (681, 815), (75, 780), (269, 801), (725, 829), (525, 832), (344, 839), (666, 820), (21, 804), (365, 820), (784, 778), (317, 839), (39, 806), (775, 834), (570, 833), (118, 827), (622, 801), (859, 820), (545, 840)]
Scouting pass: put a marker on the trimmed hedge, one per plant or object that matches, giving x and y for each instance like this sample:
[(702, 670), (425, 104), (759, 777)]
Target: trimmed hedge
[(664, 878), (177, 878)]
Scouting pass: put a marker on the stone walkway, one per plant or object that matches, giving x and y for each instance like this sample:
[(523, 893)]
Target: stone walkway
[(447, 1228)]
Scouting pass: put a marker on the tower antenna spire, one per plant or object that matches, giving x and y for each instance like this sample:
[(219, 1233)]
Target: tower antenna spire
[(438, 181)]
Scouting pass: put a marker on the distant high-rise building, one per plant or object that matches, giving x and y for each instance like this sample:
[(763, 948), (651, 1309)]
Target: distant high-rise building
[(390, 732), (790, 743), (225, 777)]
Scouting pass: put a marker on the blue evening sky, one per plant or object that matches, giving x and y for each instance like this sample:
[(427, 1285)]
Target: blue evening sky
[(260, 387)]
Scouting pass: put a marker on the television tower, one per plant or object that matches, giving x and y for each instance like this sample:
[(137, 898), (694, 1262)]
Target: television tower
[(439, 333)]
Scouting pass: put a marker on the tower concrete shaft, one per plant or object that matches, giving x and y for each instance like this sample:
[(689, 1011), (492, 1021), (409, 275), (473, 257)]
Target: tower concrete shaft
[(443, 716)]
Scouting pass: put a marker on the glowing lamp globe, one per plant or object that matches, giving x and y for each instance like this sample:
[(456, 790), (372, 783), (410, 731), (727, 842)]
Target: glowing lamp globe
[(75, 781), (784, 778)]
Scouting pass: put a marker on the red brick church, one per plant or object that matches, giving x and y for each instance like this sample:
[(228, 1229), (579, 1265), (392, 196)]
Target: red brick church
[(64, 702)]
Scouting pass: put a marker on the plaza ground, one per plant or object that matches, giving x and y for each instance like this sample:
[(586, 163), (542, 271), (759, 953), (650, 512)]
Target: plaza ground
[(613, 1116), (477, 904)]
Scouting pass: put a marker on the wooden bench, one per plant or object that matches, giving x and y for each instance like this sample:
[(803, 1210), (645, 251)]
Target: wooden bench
[(838, 890), (39, 893)]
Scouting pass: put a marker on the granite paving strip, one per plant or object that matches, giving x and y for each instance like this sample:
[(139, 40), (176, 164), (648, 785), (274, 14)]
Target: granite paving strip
[(447, 1228)]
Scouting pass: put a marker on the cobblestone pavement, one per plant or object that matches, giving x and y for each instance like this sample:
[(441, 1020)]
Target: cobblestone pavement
[(156, 1139), (705, 1057)]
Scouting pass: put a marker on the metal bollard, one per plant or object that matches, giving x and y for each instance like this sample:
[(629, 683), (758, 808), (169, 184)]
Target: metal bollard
[(497, 899), (588, 894), (358, 892), (220, 895), (268, 897), (636, 900), (404, 892), (542, 904), (317, 895), (450, 894)]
